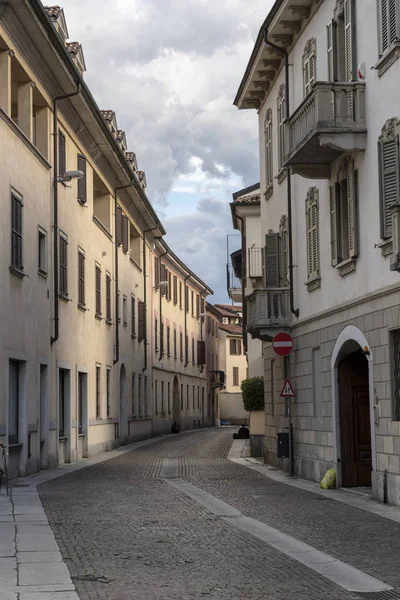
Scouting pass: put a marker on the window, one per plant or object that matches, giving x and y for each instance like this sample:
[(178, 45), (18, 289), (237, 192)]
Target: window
[(186, 349), (156, 272), (119, 306), (175, 346), (395, 364), (193, 361), (145, 397), (213, 327), (180, 294), (235, 376), (119, 225), (208, 324), (133, 323), (312, 224), (108, 391), (168, 341), (156, 397), (181, 345), (201, 352), (98, 406), (81, 278), (202, 305), (389, 174), (42, 251), (108, 298), (82, 181), (281, 126), (140, 395), (124, 311), (156, 334), (192, 296), (186, 298), (135, 243), (141, 320), (340, 43), (309, 66), (235, 346), (198, 397), (269, 173), (343, 209), (181, 396), (169, 289), (16, 232), (388, 24), (187, 397), (14, 397), (62, 154), (133, 398), (98, 291), (161, 339), (162, 397), (63, 265), (125, 233), (197, 305), (194, 397), (63, 402), (82, 397), (175, 289), (169, 397), (212, 362)]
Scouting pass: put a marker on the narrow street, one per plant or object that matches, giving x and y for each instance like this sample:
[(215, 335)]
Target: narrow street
[(127, 528)]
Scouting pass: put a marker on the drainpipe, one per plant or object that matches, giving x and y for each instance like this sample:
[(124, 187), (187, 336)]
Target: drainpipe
[(145, 294), (185, 321), (120, 187), (161, 323), (243, 278), (55, 206), (293, 310)]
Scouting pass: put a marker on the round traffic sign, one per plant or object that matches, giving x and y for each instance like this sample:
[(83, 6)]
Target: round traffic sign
[(282, 344)]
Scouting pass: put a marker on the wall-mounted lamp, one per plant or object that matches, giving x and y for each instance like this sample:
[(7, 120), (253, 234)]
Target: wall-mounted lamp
[(163, 282), (11, 53), (104, 254), (70, 175)]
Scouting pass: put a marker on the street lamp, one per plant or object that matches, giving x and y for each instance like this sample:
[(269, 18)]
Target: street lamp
[(70, 175)]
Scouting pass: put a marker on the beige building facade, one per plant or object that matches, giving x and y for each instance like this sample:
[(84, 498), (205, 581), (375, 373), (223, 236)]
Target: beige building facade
[(80, 240)]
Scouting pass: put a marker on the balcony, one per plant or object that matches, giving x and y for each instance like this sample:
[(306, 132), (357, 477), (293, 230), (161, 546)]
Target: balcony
[(233, 283), (217, 379), (330, 121), (268, 312)]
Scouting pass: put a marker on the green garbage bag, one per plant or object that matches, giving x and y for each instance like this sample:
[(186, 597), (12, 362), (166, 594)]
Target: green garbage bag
[(328, 480)]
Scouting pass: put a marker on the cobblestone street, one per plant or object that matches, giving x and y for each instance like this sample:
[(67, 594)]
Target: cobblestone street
[(125, 533)]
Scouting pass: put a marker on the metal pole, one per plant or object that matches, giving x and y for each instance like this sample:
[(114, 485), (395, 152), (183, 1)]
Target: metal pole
[(291, 457)]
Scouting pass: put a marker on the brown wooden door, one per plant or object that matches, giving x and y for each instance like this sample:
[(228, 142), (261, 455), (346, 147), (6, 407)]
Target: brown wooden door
[(355, 426)]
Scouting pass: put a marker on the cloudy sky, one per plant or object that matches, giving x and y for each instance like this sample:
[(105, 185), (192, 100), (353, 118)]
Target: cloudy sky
[(170, 69)]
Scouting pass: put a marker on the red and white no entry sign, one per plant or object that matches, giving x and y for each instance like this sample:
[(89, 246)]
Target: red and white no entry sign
[(282, 344)]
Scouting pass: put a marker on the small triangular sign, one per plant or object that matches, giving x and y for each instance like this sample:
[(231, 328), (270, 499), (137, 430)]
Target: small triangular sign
[(287, 390)]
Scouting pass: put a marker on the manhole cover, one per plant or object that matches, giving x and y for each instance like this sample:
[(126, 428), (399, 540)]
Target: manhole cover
[(387, 595)]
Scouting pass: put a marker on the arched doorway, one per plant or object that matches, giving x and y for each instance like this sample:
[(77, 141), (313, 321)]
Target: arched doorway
[(123, 420), (176, 401), (353, 402), (355, 422)]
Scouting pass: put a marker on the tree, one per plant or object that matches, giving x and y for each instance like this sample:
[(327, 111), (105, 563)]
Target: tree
[(253, 393)]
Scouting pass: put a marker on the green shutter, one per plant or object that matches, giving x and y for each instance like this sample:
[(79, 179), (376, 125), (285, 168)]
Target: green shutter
[(333, 216), (272, 260), (389, 181)]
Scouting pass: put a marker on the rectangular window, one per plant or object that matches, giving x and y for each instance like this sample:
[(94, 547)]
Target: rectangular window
[(16, 232), (162, 339), (82, 181), (139, 393), (63, 265), (119, 306), (194, 397), (175, 289), (281, 128), (98, 404), (343, 209), (395, 368), (163, 279), (186, 298), (98, 291), (202, 305), (108, 298), (108, 391), (82, 387), (156, 272), (81, 278), (125, 233), (133, 323), (312, 221), (175, 346), (269, 174), (212, 327), (124, 311), (63, 402), (162, 397), (389, 177), (119, 225), (201, 352), (193, 361), (180, 295), (235, 376), (181, 396), (192, 297), (156, 397), (198, 397), (388, 24), (156, 334), (42, 251), (197, 305), (141, 320), (181, 345), (169, 397), (14, 391), (62, 154), (133, 397), (186, 349), (169, 289), (168, 341), (309, 67), (235, 347), (146, 412), (208, 324), (187, 397)]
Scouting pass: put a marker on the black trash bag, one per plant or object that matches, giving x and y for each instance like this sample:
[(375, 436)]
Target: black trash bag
[(175, 427)]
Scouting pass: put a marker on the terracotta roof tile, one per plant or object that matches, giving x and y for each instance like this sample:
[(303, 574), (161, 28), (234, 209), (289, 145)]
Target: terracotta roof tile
[(73, 47), (233, 308), (249, 198), (53, 11), (230, 328)]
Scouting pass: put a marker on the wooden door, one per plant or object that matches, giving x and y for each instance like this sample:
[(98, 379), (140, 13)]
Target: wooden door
[(355, 425)]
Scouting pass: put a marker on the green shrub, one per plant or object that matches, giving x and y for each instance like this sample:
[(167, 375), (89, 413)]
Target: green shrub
[(253, 393)]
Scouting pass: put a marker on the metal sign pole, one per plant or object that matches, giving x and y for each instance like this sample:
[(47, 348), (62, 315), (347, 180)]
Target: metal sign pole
[(291, 458)]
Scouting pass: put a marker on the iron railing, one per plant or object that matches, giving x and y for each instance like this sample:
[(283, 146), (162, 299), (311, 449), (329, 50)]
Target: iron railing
[(233, 282)]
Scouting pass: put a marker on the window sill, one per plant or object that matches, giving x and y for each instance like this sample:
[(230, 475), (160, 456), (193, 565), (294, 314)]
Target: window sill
[(62, 438), (108, 321), (346, 266), (17, 272), (83, 308), (282, 175), (268, 192), (14, 447), (387, 60), (81, 435), (386, 247), (314, 283), (98, 316), (125, 324), (64, 297), (82, 202), (42, 273)]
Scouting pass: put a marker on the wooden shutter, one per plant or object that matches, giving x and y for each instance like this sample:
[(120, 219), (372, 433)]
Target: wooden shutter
[(334, 227), (186, 298), (193, 359), (331, 48), (181, 345), (272, 259), (309, 73), (268, 153), (16, 232), (232, 347), (202, 303), (180, 294), (186, 349), (81, 278), (175, 289), (62, 154), (284, 256), (201, 352), (163, 275), (352, 185), (389, 23), (82, 182), (389, 181), (156, 272), (235, 376), (175, 346), (98, 291), (125, 233), (133, 321), (349, 39), (156, 334), (281, 129), (108, 298), (119, 225), (141, 320), (63, 266), (312, 239)]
